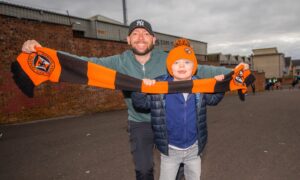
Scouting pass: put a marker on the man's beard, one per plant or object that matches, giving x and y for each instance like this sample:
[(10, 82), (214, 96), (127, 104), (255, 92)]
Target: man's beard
[(149, 49)]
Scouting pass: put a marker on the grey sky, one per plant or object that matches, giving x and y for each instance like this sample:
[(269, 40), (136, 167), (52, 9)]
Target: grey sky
[(231, 26)]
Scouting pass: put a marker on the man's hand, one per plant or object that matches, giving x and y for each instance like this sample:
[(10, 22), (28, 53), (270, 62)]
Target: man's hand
[(30, 45), (149, 82), (220, 77)]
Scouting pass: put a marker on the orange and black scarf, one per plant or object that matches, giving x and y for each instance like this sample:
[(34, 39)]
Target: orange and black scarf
[(31, 70)]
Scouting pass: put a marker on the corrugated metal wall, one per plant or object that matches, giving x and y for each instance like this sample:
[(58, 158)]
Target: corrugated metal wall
[(91, 28)]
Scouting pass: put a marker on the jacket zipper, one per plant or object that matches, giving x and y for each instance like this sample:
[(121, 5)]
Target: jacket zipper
[(144, 70), (184, 121)]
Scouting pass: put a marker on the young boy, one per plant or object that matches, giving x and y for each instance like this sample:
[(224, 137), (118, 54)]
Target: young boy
[(179, 120)]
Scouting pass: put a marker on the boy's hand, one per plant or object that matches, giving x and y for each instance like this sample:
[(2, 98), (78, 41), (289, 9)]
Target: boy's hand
[(149, 82), (220, 77), (246, 66)]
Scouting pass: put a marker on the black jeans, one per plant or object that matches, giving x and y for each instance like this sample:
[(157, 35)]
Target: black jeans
[(142, 143)]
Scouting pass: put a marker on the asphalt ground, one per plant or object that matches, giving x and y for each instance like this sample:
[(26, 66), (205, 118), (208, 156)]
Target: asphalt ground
[(258, 139)]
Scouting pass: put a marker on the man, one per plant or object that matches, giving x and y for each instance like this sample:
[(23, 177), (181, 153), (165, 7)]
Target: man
[(141, 61)]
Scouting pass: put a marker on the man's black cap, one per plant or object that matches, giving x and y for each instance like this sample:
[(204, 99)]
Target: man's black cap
[(140, 23)]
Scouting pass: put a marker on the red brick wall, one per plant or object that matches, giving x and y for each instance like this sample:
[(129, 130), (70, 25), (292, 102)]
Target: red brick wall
[(287, 81), (51, 100), (259, 82)]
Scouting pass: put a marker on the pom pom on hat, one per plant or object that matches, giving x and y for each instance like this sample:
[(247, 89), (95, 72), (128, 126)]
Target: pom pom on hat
[(181, 42), (181, 50)]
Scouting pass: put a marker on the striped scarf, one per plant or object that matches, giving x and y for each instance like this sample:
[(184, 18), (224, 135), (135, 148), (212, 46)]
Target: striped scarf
[(45, 64)]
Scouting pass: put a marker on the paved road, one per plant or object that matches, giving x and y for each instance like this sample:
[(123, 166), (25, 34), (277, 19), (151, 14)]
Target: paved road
[(253, 140)]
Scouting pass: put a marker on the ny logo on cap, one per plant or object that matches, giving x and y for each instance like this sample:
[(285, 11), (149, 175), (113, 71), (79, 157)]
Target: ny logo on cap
[(140, 23)]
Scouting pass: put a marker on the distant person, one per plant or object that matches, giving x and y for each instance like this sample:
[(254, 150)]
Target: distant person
[(268, 85), (295, 82), (253, 88), (278, 85), (179, 120)]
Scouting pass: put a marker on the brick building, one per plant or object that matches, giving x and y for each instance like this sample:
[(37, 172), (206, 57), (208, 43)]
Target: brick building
[(69, 34), (270, 61), (295, 66)]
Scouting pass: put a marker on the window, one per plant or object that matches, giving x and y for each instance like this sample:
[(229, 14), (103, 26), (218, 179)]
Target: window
[(78, 33)]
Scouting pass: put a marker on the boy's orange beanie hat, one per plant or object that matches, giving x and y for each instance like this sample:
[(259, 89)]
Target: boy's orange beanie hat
[(181, 50)]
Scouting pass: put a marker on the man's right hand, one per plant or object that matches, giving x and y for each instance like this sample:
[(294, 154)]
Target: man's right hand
[(30, 45)]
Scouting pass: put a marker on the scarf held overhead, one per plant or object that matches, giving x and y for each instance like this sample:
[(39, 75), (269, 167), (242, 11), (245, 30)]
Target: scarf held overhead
[(45, 64)]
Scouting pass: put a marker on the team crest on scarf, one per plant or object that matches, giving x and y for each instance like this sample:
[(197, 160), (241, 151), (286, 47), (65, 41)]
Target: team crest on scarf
[(41, 64), (239, 79)]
